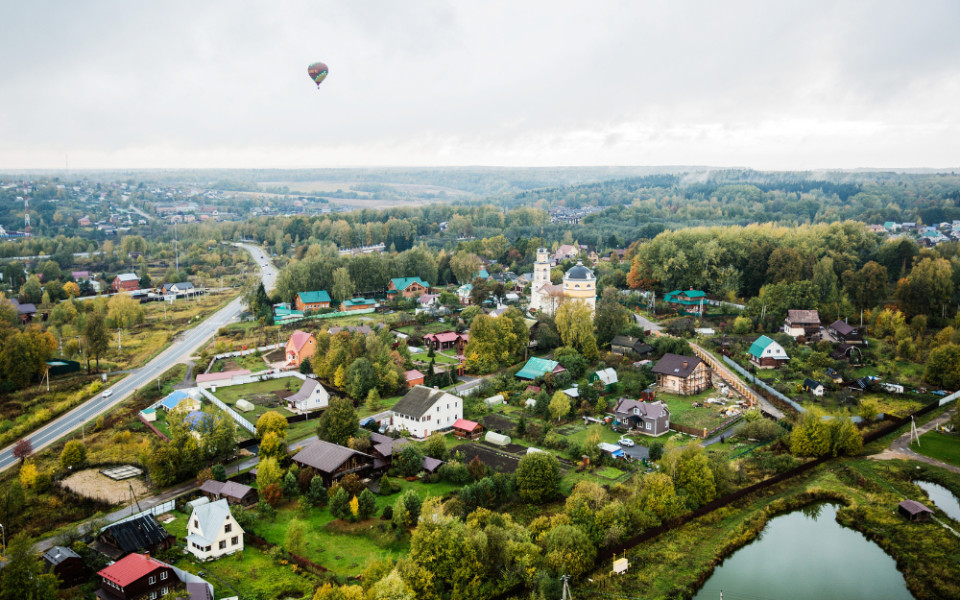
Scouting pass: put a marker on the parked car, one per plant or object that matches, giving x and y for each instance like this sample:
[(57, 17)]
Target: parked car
[(625, 441)]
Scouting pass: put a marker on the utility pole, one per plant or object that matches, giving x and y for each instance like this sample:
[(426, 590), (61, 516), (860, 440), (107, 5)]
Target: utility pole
[(566, 587), (119, 347), (913, 431)]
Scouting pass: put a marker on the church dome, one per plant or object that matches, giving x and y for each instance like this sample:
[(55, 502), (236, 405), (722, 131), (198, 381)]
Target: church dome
[(579, 272)]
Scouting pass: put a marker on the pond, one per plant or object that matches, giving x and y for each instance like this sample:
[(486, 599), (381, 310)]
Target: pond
[(942, 497), (807, 555)]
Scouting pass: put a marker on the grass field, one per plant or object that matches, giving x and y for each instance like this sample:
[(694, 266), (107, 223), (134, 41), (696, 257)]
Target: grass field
[(941, 446), (683, 413), (425, 329)]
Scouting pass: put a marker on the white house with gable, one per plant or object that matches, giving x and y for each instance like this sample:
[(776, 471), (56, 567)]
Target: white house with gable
[(423, 410), (212, 531), (311, 396)]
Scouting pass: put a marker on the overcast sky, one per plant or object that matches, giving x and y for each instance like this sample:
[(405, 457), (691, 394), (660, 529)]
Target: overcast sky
[(769, 85)]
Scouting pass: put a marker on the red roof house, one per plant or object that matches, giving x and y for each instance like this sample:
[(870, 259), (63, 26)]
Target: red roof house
[(447, 340), (137, 576), (463, 428), (414, 377), (301, 345)]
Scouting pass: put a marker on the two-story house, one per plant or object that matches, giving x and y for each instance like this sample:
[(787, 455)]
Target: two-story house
[(125, 282), (684, 375), (311, 396), (212, 531), (805, 323), (424, 410), (312, 300), (846, 333), (649, 418), (408, 287), (138, 577), (300, 346), (767, 354)]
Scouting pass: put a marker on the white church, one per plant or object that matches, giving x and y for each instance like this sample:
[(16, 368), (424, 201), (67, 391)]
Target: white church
[(579, 283)]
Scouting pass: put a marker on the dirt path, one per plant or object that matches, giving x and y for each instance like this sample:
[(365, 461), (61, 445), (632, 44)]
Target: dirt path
[(900, 448)]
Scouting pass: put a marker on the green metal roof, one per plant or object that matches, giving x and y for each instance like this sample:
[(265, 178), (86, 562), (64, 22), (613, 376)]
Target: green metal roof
[(314, 297), (759, 345), (537, 367), (358, 302), (402, 283)]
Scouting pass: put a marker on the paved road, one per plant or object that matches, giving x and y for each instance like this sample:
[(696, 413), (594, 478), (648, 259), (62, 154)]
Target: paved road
[(647, 325), (900, 448), (182, 347)]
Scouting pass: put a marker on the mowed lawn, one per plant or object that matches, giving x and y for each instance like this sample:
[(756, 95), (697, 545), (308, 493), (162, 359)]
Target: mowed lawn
[(940, 446), (682, 411)]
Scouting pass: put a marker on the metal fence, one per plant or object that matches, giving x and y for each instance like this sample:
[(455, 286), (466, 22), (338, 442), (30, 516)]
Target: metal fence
[(759, 382), (159, 509), (237, 418)]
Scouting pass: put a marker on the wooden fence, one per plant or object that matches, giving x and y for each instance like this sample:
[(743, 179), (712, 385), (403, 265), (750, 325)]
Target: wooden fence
[(152, 428)]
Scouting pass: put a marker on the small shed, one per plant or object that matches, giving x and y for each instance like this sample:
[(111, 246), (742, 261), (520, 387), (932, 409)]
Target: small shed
[(243, 405), (611, 449), (149, 414), (497, 439), (914, 511), (620, 566), (468, 430), (608, 376), (530, 402), (813, 386), (495, 400)]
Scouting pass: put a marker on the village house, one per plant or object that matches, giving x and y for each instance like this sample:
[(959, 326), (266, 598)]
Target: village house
[(231, 491), (142, 534), (354, 304), (300, 346), (467, 430), (332, 461), (649, 418), (767, 354), (408, 287), (424, 410), (805, 323), (311, 300), (414, 377), (608, 377), (684, 375), (566, 251), (25, 311), (538, 367), (125, 282), (447, 340), (310, 397), (814, 387), (136, 577), (66, 565), (846, 333), (689, 301), (625, 345), (212, 531), (180, 400)]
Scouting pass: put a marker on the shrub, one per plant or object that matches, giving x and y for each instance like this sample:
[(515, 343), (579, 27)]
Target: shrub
[(538, 477), (387, 513), (340, 504), (74, 455), (272, 494), (454, 472), (763, 430)]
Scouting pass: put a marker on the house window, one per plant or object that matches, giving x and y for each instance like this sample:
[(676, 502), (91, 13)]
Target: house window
[(153, 580), (153, 596), (163, 576), (234, 540), (164, 591), (648, 425), (227, 528), (223, 544), (207, 549), (636, 411), (196, 523)]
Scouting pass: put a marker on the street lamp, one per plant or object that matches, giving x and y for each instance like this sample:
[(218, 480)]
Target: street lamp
[(4, 532)]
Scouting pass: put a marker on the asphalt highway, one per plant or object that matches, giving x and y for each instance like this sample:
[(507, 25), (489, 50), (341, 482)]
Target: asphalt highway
[(182, 347)]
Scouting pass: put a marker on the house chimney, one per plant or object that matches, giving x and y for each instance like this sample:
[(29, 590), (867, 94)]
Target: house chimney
[(685, 363)]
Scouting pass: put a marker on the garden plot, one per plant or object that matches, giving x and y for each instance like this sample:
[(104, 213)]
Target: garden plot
[(496, 460), (90, 483)]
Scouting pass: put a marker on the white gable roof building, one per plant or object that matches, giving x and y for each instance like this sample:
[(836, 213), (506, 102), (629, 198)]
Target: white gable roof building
[(212, 531)]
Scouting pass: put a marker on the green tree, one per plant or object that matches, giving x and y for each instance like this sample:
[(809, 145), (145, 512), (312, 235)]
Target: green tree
[(559, 405), (219, 472), (575, 324), (845, 438), (943, 367), (74, 455), (538, 477), (373, 402), (289, 485), (124, 312), (271, 421), (569, 550), (367, 505), (22, 577), (342, 284), (31, 290), (611, 318), (409, 460), (95, 338), (436, 447), (811, 436), (866, 287), (690, 469), (928, 287), (268, 472), (361, 378), (659, 497), (406, 510), (295, 539), (339, 422)]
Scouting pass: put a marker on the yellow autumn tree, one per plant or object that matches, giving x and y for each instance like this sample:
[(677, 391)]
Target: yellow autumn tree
[(28, 474), (354, 507), (340, 377)]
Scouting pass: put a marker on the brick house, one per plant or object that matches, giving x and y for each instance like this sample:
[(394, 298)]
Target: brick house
[(684, 375), (408, 287), (414, 377), (311, 300), (300, 346), (125, 282)]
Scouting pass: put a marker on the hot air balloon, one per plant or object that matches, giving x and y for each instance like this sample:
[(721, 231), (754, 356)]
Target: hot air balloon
[(318, 72)]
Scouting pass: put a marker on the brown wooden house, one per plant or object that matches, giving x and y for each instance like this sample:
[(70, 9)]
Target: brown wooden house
[(66, 565), (467, 430), (332, 461), (914, 511), (684, 375), (136, 577), (142, 534), (233, 492)]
